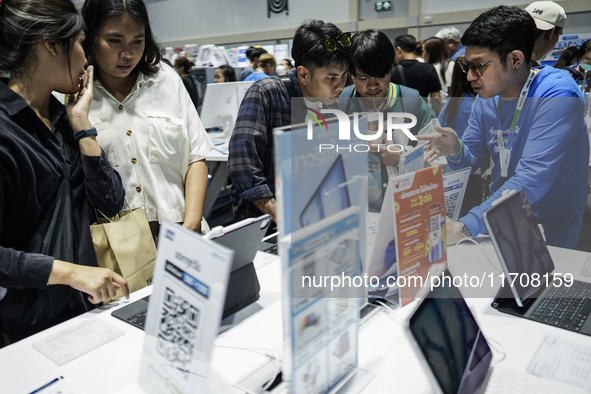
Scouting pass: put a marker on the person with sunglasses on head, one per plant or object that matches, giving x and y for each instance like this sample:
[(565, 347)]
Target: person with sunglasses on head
[(371, 70), (53, 173), (538, 143), (321, 54)]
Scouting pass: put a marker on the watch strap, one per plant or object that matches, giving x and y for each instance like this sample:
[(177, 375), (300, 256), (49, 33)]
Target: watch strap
[(85, 133), (464, 230)]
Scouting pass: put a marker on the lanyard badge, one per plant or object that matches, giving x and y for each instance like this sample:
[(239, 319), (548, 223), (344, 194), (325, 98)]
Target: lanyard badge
[(505, 149)]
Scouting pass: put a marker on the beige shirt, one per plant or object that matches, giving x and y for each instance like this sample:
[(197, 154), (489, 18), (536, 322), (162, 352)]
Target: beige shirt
[(150, 138)]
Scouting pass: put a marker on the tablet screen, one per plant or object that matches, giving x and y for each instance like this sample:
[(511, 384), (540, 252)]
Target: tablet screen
[(450, 341)]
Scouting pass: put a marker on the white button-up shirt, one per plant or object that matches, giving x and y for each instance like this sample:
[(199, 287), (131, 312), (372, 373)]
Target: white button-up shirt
[(151, 138)]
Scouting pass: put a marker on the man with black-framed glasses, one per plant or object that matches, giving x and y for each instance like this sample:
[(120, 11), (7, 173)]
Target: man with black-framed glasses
[(530, 122), (321, 54)]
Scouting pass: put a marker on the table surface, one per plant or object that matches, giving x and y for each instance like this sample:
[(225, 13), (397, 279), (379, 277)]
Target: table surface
[(219, 153), (241, 353)]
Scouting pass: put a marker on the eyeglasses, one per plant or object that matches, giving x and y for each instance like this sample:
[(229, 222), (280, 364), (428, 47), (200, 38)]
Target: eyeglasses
[(331, 43), (476, 68)]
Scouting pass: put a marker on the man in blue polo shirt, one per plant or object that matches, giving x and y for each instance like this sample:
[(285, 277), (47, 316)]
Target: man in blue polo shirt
[(542, 149)]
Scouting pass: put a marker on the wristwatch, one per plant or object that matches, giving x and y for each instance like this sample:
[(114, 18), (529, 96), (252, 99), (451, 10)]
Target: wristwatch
[(464, 230), (85, 133)]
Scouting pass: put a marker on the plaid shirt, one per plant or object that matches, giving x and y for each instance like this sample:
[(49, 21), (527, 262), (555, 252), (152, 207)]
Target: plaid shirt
[(266, 105)]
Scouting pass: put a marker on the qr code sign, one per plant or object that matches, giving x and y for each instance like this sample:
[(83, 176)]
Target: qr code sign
[(435, 223), (177, 329), (451, 202)]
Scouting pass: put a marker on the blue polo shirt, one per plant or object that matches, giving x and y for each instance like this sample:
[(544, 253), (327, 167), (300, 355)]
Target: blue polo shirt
[(549, 159)]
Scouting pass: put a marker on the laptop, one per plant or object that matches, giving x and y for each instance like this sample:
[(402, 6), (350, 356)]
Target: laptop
[(455, 354), (531, 290), (244, 238)]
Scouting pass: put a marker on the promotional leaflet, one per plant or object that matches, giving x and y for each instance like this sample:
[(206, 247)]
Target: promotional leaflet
[(412, 246), (185, 310), (419, 220)]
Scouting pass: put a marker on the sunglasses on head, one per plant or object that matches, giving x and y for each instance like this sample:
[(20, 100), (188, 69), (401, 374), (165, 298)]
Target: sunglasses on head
[(476, 68), (331, 43)]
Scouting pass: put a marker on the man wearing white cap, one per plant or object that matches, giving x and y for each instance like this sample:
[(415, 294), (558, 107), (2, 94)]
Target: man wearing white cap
[(451, 37), (550, 19)]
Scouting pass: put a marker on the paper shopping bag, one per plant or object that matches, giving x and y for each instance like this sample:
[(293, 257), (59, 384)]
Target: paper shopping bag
[(125, 245)]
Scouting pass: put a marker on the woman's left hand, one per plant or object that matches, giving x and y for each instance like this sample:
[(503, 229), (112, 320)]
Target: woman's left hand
[(80, 105)]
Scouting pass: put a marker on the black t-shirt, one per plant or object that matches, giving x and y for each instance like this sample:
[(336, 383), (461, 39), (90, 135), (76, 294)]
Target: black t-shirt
[(417, 75)]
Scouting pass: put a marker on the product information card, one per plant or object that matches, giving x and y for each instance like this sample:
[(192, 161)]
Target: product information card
[(185, 310)]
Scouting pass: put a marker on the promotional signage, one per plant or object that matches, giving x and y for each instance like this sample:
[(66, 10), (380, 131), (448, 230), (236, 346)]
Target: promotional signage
[(419, 219), (185, 310), (410, 245)]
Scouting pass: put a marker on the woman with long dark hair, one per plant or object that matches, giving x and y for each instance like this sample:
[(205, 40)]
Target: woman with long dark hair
[(146, 121), (434, 53), (52, 171)]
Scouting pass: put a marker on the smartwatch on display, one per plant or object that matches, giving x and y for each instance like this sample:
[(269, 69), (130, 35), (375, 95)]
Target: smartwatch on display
[(464, 230), (85, 133)]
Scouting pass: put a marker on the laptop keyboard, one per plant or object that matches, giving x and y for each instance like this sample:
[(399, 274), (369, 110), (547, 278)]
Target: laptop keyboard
[(272, 250), (138, 320), (504, 380), (565, 306)]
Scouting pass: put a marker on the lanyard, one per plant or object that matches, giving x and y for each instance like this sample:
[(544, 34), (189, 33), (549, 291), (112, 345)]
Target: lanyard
[(505, 149)]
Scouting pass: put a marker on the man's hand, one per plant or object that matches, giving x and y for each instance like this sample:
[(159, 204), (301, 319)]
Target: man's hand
[(101, 284), (387, 157), (454, 232), (444, 143)]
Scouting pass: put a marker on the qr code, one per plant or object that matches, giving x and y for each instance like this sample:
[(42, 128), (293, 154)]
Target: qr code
[(177, 329), (434, 223), (451, 203)]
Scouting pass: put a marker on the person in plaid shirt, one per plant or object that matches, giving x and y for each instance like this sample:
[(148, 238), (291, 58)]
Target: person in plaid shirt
[(321, 54)]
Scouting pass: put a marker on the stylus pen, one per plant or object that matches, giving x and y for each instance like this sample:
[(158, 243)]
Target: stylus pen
[(47, 385)]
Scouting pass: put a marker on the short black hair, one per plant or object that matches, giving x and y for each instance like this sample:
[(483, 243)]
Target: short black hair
[(373, 54), (503, 29), (307, 49), (253, 52), (256, 53), (406, 42), (97, 12)]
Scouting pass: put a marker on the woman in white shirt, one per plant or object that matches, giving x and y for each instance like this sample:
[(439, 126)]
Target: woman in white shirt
[(144, 116), (434, 53)]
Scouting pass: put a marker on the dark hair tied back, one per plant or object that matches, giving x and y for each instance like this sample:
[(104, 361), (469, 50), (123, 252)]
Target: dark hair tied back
[(26, 23)]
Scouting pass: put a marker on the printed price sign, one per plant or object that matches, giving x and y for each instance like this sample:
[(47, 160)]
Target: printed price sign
[(419, 220)]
